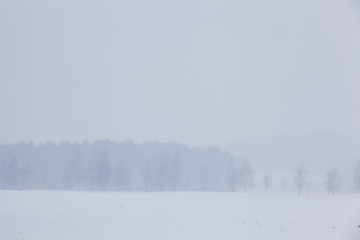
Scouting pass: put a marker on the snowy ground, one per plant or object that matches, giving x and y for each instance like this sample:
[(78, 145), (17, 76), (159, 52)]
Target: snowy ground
[(176, 215)]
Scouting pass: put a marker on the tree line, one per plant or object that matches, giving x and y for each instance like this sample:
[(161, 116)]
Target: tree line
[(128, 166)]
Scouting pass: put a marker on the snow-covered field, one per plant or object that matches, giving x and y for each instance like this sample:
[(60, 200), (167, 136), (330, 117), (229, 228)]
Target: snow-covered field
[(176, 215)]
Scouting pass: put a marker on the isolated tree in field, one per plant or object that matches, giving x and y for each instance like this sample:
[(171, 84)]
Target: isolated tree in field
[(309, 185), (245, 176), (332, 182), (300, 177), (267, 181), (283, 185), (357, 176)]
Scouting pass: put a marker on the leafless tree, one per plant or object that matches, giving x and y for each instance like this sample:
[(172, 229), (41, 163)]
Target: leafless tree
[(175, 173), (300, 177), (146, 175), (204, 178), (120, 175), (103, 170), (72, 172), (168, 172), (231, 175), (11, 173), (267, 181), (332, 182), (26, 172), (162, 173), (245, 176)]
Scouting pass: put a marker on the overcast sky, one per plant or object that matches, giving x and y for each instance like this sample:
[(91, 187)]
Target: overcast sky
[(194, 72)]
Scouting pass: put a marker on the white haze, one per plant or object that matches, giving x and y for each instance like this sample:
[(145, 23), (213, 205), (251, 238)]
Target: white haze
[(225, 73)]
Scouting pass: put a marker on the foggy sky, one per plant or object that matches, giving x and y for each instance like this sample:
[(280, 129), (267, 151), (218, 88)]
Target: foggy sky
[(195, 72)]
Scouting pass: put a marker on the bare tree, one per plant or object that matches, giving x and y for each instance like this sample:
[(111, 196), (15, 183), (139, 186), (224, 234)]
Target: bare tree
[(231, 175), (245, 176), (167, 172), (267, 181), (91, 175), (26, 172), (175, 173), (73, 172), (11, 173), (309, 185), (120, 175), (203, 178), (103, 170), (357, 176), (146, 175), (332, 182), (283, 185), (300, 177)]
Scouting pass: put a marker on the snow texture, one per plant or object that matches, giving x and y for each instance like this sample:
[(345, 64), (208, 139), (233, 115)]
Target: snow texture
[(176, 215)]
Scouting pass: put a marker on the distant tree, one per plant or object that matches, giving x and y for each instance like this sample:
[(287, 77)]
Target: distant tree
[(162, 170), (332, 182), (231, 175), (167, 172), (357, 176), (120, 175), (146, 175), (175, 173), (283, 185), (91, 175), (26, 172), (3, 166), (103, 170), (245, 176), (91, 169), (300, 177), (72, 172), (203, 178), (10, 173), (309, 185), (267, 181)]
